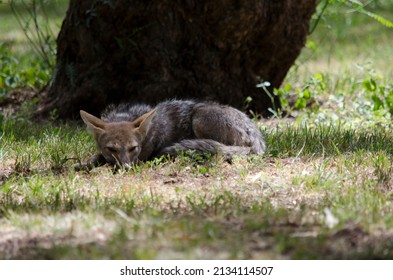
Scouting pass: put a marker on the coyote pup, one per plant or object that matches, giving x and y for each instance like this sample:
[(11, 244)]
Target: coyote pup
[(129, 133)]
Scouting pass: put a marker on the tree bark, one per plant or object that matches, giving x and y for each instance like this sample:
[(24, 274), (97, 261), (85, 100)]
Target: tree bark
[(147, 51)]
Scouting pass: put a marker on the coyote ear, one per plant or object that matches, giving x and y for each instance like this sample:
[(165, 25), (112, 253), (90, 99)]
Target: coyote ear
[(94, 124), (142, 123)]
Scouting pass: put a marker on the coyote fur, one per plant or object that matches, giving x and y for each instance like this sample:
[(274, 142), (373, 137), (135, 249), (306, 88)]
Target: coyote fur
[(129, 133)]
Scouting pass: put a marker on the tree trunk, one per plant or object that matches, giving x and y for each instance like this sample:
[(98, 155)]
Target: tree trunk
[(148, 51)]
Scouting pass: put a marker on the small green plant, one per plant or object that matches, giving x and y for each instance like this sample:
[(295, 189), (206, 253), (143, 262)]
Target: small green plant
[(9, 77), (15, 74), (304, 97), (380, 95)]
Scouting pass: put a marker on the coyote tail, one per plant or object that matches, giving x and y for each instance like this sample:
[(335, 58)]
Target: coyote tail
[(205, 146)]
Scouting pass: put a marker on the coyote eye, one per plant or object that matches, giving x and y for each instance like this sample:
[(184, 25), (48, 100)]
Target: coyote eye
[(132, 149), (111, 149)]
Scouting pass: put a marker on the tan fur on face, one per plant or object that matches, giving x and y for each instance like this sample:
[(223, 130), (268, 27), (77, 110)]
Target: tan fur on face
[(119, 142)]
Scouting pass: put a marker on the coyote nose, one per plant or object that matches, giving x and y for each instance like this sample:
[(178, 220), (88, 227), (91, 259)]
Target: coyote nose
[(125, 161)]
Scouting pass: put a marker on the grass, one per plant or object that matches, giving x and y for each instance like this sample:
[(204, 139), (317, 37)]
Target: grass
[(323, 190), (271, 207)]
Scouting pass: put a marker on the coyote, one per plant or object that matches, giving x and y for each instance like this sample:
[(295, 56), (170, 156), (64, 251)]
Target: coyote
[(129, 133)]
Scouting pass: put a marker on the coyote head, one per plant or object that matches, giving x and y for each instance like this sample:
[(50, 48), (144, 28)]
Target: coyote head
[(119, 142)]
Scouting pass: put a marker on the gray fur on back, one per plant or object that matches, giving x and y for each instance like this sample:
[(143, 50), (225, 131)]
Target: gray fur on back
[(124, 112)]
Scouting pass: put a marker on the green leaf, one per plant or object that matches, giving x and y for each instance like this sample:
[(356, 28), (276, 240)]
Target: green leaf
[(30, 76), (370, 85), (379, 18), (284, 102), (318, 76), (202, 170), (312, 46), (306, 94), (300, 103), (378, 103)]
